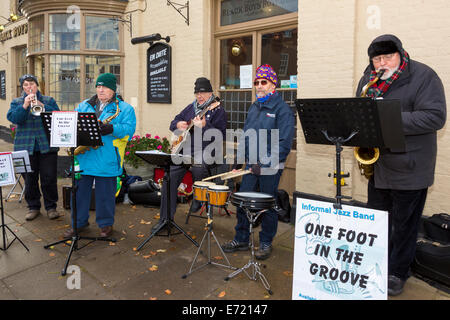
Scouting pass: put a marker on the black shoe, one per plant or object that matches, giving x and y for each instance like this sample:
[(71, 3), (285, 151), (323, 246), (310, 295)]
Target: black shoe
[(195, 206), (233, 246), (395, 285), (263, 252)]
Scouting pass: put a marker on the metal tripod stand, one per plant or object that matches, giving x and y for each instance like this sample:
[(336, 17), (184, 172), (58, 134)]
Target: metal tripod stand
[(209, 232), (256, 270)]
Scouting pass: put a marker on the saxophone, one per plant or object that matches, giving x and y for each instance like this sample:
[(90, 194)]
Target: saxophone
[(82, 149), (366, 157)]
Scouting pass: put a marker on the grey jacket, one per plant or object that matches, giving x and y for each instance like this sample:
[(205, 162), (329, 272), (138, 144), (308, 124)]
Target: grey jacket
[(423, 113)]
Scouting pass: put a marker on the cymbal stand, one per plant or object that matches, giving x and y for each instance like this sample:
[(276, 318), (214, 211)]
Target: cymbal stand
[(256, 271), (209, 232)]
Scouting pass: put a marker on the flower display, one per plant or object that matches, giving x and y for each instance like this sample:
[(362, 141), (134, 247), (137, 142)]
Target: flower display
[(144, 143), (13, 131)]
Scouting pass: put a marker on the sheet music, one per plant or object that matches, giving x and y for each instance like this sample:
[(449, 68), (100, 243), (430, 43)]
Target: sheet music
[(21, 161), (7, 176)]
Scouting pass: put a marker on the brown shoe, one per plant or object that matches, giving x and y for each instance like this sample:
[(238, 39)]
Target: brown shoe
[(69, 233), (52, 214), (106, 231), (32, 214)]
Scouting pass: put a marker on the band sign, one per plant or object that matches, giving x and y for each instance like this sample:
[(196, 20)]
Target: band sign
[(159, 77), (339, 253)]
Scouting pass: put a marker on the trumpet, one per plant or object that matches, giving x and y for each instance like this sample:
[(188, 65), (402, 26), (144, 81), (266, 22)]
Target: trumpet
[(35, 108), (366, 157)]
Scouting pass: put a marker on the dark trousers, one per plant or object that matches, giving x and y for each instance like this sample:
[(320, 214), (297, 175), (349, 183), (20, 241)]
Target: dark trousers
[(405, 209), (105, 200), (269, 219), (44, 166), (176, 176)]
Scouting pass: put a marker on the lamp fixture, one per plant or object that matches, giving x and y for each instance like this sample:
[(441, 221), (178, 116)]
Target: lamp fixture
[(12, 18)]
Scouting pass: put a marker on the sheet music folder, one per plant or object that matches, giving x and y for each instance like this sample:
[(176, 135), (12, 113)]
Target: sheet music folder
[(88, 130), (162, 159), (378, 122)]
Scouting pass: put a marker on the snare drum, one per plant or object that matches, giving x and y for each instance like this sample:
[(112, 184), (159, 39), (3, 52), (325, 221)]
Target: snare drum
[(218, 195), (200, 190), (253, 201)]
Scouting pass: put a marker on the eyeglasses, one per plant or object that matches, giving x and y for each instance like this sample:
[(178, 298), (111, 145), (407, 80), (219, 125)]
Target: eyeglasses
[(262, 82), (385, 57)]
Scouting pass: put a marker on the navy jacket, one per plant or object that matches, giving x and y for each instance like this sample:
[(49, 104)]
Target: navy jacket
[(273, 114)]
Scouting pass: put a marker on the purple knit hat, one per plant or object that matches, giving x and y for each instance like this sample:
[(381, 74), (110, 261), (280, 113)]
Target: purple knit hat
[(265, 71)]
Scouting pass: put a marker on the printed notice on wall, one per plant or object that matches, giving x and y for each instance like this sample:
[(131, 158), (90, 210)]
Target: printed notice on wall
[(159, 73), (339, 253), (7, 176), (245, 76), (63, 131)]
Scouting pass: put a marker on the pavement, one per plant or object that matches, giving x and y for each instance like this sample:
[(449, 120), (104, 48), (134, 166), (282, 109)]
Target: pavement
[(104, 270)]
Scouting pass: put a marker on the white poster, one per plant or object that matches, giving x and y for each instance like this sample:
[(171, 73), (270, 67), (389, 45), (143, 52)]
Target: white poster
[(339, 254), (21, 161), (245, 76), (63, 131), (7, 176)]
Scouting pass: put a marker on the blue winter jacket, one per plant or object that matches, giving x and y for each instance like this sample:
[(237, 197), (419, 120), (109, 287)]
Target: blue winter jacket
[(106, 160), (269, 115)]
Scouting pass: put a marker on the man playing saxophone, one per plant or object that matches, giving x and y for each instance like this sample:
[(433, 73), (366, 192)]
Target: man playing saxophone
[(104, 164), (31, 137), (401, 179)]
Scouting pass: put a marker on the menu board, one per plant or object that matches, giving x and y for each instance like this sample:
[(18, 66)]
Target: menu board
[(159, 73)]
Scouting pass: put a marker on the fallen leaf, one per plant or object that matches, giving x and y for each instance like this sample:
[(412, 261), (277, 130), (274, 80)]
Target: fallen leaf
[(218, 257), (156, 216), (161, 250), (146, 257), (112, 243), (52, 254), (131, 226), (140, 235), (153, 298), (38, 240), (134, 249), (287, 273), (154, 268), (168, 292), (145, 222), (222, 294)]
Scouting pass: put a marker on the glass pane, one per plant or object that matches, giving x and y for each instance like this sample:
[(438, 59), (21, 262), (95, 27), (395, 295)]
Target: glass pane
[(21, 66), (236, 11), (64, 84), (279, 49), (96, 65), (61, 36), (234, 53), (39, 72), (36, 34), (102, 33)]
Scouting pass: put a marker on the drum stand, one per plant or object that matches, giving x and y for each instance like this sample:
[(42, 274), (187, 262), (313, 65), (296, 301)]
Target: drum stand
[(252, 217), (209, 232)]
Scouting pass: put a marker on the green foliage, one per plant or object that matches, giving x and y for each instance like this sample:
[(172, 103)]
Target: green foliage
[(138, 143)]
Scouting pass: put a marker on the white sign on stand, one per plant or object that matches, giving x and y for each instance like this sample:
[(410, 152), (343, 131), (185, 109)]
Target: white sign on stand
[(63, 131), (7, 176), (339, 254)]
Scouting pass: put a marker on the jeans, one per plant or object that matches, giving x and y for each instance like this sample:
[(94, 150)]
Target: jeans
[(405, 209), (105, 200), (269, 219), (44, 166)]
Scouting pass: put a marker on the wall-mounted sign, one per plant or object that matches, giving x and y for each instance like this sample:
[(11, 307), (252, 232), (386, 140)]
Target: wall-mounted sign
[(3, 84), (159, 73), (15, 32), (236, 11)]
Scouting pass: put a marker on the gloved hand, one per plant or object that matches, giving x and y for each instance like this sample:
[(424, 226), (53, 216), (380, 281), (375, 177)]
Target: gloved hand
[(106, 128), (255, 169)]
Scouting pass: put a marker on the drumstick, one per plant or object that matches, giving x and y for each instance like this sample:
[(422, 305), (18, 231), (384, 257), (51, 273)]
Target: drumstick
[(232, 174)]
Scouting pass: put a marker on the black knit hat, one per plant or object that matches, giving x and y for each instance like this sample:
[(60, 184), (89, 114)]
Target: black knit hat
[(202, 85), (381, 47), (28, 77)]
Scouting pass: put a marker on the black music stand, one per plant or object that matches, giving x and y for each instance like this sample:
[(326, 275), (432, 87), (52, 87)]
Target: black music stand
[(87, 135), (3, 226), (164, 160), (356, 122)]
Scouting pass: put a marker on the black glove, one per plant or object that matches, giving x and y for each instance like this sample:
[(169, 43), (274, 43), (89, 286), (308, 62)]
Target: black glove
[(256, 169), (106, 128)]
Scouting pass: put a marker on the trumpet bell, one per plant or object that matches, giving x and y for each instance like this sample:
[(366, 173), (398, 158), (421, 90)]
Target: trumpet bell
[(36, 110)]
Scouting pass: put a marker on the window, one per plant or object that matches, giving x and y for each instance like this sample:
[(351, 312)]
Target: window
[(64, 84), (95, 65), (61, 37), (21, 66), (102, 33), (235, 54), (36, 34)]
